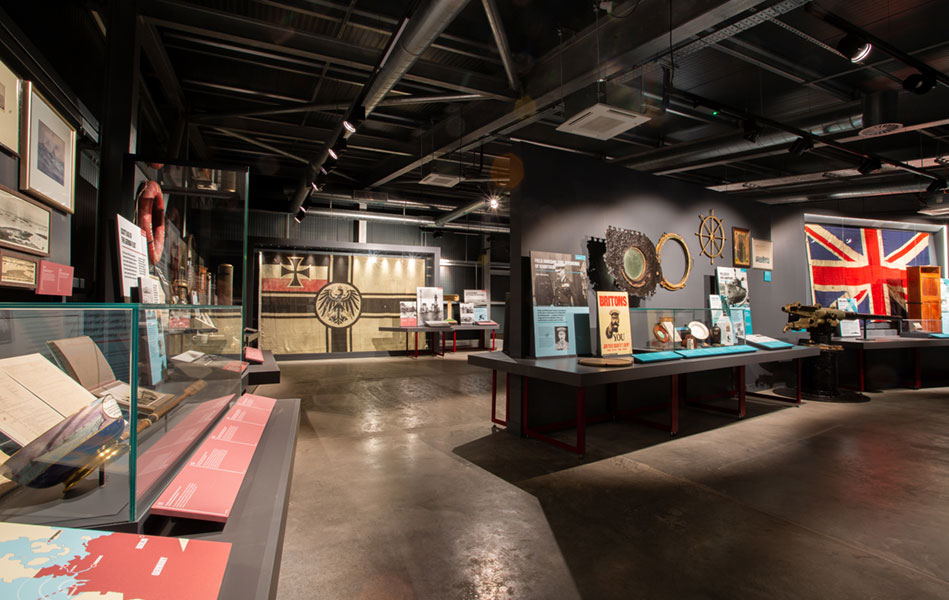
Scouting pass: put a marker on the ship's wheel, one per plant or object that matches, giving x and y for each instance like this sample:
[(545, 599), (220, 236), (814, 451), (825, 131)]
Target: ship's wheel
[(711, 236)]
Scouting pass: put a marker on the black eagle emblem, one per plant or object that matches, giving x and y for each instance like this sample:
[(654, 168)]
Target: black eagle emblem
[(338, 304)]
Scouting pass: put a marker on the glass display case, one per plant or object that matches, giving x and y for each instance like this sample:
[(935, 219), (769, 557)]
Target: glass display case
[(101, 403), (194, 218), (656, 329)]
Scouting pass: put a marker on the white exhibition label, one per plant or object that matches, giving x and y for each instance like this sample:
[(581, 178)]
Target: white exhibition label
[(133, 254)]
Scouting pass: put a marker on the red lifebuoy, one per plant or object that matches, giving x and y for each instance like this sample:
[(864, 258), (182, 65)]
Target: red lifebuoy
[(151, 218)]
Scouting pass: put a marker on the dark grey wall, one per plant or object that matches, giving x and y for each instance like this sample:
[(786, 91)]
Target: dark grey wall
[(565, 199)]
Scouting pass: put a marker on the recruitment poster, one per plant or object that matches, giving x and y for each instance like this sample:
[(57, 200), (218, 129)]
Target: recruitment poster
[(559, 286), (613, 323)]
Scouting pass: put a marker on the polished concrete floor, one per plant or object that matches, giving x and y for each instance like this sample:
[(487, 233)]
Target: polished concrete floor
[(402, 491)]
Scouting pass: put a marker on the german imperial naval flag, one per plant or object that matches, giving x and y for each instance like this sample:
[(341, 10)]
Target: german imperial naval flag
[(314, 303)]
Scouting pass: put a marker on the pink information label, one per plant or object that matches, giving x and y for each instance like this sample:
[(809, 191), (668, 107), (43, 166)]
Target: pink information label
[(207, 486), (55, 279), (253, 355)]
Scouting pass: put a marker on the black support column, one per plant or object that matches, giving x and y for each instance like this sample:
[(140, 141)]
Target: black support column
[(121, 77)]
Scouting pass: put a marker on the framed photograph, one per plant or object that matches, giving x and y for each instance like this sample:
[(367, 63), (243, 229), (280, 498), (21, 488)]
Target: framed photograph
[(47, 152), (18, 270), (24, 224), (762, 254), (741, 247), (9, 110)]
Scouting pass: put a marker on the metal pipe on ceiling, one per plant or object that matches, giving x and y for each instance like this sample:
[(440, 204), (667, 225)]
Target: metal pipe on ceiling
[(500, 38), (416, 35), (404, 219), (864, 191), (459, 212), (836, 121)]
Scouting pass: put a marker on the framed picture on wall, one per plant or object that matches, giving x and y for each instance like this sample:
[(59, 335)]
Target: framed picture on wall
[(47, 152), (18, 270), (24, 223), (741, 247), (9, 110)]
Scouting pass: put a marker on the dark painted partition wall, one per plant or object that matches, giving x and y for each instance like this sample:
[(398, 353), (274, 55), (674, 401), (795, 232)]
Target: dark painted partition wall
[(565, 198)]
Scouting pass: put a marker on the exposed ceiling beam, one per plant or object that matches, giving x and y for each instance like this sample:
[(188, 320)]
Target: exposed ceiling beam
[(500, 39), (621, 43), (178, 16), (255, 142)]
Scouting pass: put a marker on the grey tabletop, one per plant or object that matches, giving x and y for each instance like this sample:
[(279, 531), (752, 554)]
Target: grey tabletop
[(568, 371), (890, 343)]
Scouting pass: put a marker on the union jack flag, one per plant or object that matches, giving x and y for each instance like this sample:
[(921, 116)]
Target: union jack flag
[(869, 264)]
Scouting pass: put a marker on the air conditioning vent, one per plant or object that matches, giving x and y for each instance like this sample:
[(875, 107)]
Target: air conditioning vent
[(441, 180), (602, 121)]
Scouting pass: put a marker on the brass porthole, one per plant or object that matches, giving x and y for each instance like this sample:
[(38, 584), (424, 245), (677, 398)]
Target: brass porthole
[(688, 261)]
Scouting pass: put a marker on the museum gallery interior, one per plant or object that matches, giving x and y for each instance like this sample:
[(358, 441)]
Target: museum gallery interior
[(474, 299)]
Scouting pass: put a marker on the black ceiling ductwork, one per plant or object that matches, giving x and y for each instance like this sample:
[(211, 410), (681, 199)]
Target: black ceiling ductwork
[(919, 83), (936, 186)]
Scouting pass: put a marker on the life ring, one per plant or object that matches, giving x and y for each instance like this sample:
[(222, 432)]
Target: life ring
[(151, 218)]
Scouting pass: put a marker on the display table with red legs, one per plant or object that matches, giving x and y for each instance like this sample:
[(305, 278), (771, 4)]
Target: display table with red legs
[(567, 372), (860, 347), (433, 346), (453, 330)]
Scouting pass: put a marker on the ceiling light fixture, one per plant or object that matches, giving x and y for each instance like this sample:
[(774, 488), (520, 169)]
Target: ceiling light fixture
[(349, 126), (854, 47), (494, 202), (800, 146), (936, 185), (869, 165), (332, 154), (301, 214), (919, 83)]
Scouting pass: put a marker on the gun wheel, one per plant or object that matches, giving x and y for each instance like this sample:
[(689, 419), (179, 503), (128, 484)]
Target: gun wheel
[(711, 236)]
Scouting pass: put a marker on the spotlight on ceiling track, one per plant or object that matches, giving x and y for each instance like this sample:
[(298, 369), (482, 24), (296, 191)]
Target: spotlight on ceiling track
[(349, 126), (854, 48), (494, 202), (751, 130), (324, 171), (936, 185), (869, 165), (918, 83), (301, 214), (332, 154), (800, 146)]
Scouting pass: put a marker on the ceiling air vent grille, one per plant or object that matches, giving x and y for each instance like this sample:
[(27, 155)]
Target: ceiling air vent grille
[(441, 180), (602, 121)]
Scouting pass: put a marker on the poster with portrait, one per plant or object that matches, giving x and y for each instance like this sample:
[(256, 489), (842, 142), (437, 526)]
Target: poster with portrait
[(47, 152), (431, 304), (733, 285), (559, 292), (614, 329), (741, 248), (321, 302)]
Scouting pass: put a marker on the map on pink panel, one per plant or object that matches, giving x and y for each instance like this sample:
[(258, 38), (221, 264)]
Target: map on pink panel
[(58, 563)]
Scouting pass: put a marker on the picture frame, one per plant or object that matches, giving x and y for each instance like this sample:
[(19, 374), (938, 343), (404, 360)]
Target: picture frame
[(741, 247), (18, 269), (47, 152), (24, 223), (762, 254), (9, 110)]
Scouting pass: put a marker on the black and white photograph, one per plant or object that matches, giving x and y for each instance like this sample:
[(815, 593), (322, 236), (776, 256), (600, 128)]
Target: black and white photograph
[(408, 316), (430, 304), (18, 270), (561, 338), (467, 313), (558, 279), (733, 284), (24, 225), (47, 152)]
